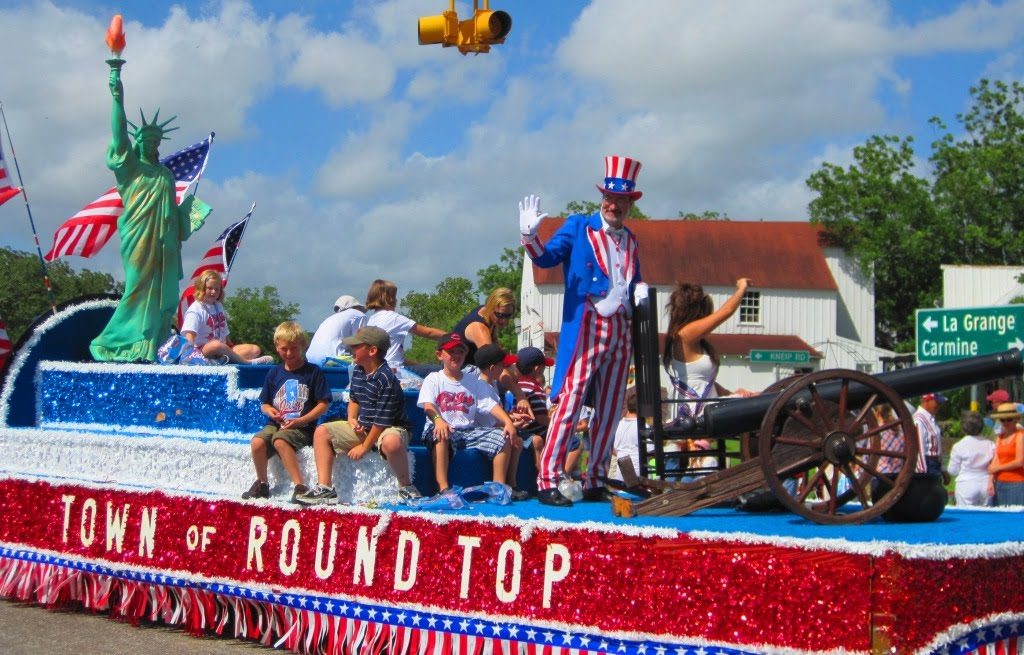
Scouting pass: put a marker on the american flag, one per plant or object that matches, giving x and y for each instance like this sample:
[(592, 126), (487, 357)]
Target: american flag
[(85, 233), (5, 344), (7, 190), (218, 258)]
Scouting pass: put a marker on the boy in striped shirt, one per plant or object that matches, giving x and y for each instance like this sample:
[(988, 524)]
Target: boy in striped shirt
[(376, 420)]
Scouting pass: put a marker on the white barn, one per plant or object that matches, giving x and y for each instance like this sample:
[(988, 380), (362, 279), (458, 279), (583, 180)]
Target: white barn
[(806, 295)]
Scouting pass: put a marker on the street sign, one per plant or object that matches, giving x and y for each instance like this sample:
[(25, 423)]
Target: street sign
[(780, 356), (946, 334)]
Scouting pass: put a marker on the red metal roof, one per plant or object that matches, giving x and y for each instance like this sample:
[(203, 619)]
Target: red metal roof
[(726, 344), (774, 255)]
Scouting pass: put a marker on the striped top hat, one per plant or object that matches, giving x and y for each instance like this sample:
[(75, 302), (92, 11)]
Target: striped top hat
[(620, 176)]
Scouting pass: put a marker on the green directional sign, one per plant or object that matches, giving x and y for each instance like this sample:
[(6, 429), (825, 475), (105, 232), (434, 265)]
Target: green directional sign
[(780, 356), (946, 334)]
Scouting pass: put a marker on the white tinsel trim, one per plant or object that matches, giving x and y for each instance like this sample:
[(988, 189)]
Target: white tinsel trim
[(961, 630)]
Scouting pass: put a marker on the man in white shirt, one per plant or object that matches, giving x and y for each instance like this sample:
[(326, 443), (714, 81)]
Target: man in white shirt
[(929, 459), (349, 315)]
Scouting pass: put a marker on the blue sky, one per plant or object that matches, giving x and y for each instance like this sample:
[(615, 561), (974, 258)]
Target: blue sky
[(371, 156)]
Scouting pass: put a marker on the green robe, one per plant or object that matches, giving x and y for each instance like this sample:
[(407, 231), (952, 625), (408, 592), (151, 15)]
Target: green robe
[(151, 228)]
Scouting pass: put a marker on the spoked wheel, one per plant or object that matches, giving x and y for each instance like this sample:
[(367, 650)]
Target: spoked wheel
[(748, 440), (820, 447)]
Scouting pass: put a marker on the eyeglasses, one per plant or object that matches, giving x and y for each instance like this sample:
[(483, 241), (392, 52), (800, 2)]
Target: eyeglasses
[(1008, 420), (505, 315)]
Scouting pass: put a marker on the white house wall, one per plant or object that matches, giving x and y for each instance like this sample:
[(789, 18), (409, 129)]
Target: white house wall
[(855, 311), (979, 286)]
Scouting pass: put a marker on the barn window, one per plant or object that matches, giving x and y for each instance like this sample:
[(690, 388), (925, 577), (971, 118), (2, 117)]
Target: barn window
[(750, 308)]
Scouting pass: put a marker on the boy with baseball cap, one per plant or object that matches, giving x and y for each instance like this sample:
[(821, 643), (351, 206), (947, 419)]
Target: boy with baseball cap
[(376, 420)]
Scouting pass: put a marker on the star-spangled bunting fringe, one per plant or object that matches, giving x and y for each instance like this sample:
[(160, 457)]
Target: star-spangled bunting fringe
[(85, 233)]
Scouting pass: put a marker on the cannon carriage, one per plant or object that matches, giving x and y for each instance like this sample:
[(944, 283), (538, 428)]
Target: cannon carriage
[(814, 441)]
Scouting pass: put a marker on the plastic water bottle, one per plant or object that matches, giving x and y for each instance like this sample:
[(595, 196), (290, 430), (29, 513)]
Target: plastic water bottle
[(571, 489)]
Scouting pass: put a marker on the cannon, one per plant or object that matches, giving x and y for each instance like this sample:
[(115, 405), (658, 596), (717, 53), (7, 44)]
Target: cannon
[(815, 442)]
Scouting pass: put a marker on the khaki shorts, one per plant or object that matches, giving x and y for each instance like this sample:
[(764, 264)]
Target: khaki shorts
[(344, 438), (293, 436)]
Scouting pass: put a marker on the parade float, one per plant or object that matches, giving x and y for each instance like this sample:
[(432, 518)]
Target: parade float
[(121, 485)]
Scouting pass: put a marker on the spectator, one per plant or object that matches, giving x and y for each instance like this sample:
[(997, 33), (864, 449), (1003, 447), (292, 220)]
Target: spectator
[(968, 462), (205, 325), (626, 444), (1008, 464), (929, 459), (294, 396), (349, 315)]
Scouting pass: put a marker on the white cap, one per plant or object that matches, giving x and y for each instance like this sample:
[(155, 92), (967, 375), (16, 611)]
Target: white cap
[(346, 302)]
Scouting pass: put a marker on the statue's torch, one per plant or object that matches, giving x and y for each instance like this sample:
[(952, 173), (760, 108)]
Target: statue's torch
[(115, 41)]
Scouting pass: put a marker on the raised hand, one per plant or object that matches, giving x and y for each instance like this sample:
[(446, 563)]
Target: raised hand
[(529, 215)]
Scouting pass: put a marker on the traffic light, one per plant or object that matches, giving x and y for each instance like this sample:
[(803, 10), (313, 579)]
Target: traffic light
[(476, 34)]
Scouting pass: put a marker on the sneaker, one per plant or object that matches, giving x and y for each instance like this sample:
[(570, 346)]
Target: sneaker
[(257, 490), (318, 495), (299, 490), (261, 361), (409, 492), (519, 494)]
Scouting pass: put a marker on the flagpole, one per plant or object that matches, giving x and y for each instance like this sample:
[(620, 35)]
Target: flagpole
[(227, 268), (28, 208), (199, 176)]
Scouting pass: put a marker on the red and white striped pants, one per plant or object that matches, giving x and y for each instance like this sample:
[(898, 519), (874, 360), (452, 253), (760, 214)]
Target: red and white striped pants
[(603, 354)]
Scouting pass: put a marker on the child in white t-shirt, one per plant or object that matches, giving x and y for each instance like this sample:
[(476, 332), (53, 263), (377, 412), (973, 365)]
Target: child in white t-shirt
[(205, 325), (458, 406), (381, 301)]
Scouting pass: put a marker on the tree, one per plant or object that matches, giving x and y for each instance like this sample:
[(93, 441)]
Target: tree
[(706, 215), (508, 274), (23, 295), (884, 216), (901, 227), (453, 297), (591, 206), (253, 314)]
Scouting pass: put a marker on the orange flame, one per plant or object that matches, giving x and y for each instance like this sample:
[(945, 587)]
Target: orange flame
[(115, 35)]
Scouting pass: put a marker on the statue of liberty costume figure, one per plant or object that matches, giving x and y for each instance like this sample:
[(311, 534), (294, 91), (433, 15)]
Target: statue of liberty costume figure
[(152, 228)]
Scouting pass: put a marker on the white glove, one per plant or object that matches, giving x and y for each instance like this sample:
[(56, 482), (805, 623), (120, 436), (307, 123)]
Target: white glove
[(640, 293), (529, 215)]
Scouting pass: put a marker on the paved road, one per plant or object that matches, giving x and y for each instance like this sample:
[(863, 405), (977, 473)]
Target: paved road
[(32, 630)]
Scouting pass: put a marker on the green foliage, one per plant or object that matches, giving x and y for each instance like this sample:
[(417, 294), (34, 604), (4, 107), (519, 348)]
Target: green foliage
[(23, 294), (590, 206), (453, 297), (253, 314), (507, 274), (706, 215), (901, 227)]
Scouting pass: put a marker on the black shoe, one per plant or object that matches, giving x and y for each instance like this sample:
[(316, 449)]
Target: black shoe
[(553, 497), (520, 494), (257, 490), (595, 494)]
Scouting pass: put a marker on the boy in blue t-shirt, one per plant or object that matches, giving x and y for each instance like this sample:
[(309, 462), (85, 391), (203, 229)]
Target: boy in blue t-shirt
[(295, 394)]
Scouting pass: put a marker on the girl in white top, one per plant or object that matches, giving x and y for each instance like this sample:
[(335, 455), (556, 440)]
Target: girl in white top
[(205, 325), (690, 360), (968, 461), (381, 300)]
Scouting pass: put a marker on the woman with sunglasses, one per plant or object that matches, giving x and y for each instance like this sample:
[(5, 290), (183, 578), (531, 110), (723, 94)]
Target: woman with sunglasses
[(481, 327), (1007, 466)]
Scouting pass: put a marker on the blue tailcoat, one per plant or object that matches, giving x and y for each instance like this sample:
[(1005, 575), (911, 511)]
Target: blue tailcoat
[(575, 247)]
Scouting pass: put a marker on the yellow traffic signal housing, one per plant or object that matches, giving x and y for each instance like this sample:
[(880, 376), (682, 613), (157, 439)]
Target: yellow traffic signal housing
[(477, 34)]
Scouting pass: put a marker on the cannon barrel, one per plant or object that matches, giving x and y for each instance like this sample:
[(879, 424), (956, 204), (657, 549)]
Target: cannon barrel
[(732, 417)]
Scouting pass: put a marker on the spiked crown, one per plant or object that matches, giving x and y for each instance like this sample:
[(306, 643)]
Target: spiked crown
[(155, 127)]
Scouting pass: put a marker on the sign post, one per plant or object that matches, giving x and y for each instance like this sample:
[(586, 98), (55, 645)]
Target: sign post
[(948, 334)]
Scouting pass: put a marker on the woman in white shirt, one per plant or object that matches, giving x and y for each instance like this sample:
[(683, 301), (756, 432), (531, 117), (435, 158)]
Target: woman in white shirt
[(968, 461), (689, 358), (205, 325), (381, 300)]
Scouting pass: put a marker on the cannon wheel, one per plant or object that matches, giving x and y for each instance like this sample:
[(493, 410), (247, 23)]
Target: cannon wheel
[(748, 440), (832, 442)]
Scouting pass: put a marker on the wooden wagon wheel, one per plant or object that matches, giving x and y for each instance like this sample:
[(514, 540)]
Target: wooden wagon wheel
[(748, 440), (823, 425)]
